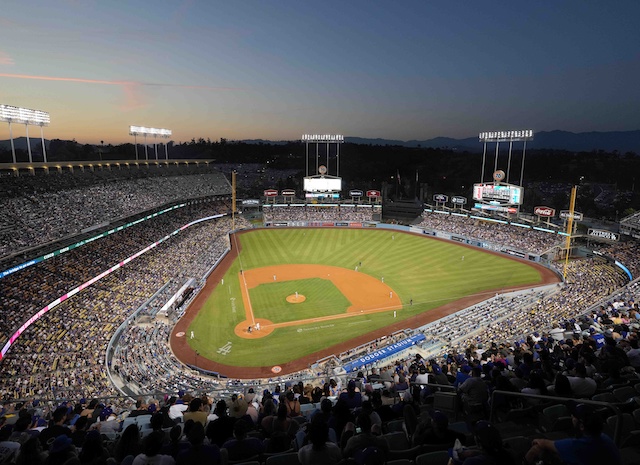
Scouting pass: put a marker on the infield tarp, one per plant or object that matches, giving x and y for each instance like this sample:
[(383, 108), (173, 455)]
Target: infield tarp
[(383, 353)]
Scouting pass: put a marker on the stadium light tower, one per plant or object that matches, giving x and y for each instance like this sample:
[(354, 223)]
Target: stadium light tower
[(155, 132), (11, 114), (503, 136), (322, 183)]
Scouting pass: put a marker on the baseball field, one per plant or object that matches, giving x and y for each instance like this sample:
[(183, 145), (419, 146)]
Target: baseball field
[(285, 297)]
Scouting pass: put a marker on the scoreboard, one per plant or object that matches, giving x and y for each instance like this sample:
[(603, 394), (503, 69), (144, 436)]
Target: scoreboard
[(504, 194)]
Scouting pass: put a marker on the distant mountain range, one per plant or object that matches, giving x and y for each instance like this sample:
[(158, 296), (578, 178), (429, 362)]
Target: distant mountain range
[(622, 141)]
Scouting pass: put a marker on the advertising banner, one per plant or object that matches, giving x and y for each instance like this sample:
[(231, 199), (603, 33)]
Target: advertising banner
[(383, 353), (544, 211), (603, 234)]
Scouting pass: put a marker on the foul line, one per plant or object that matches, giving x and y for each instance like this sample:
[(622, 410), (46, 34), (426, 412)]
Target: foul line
[(248, 310)]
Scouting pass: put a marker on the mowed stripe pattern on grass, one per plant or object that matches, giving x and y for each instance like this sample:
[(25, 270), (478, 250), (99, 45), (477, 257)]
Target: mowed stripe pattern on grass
[(427, 272)]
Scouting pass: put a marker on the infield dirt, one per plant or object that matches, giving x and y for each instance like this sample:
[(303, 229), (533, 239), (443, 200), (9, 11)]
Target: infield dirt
[(184, 352)]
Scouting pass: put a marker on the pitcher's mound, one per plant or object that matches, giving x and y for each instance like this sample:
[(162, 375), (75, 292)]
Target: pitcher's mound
[(293, 299)]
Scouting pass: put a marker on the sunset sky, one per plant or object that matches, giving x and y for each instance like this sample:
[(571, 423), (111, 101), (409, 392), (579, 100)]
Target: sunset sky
[(247, 69)]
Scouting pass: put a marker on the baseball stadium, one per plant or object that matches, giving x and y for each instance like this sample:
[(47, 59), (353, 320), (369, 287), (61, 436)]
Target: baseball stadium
[(175, 290)]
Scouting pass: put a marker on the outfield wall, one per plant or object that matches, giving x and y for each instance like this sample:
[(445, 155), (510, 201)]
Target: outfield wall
[(514, 252)]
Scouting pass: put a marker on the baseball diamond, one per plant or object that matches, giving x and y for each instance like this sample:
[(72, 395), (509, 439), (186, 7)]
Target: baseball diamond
[(347, 299)]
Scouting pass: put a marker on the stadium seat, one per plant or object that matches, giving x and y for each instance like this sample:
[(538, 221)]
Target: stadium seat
[(631, 440), (406, 454), (400, 462), (446, 402), (555, 418), (623, 394), (627, 424), (307, 409), (393, 426), (517, 446), (605, 397), (290, 458), (142, 419), (433, 458), (397, 440)]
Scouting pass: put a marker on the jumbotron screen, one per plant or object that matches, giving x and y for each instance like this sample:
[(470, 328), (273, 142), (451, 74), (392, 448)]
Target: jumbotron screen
[(505, 194), (322, 184)]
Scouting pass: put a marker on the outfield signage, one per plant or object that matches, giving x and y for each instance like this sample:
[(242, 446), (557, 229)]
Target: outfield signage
[(289, 192), (496, 208), (270, 193), (603, 234), (250, 202), (440, 198), (577, 216), (515, 253), (383, 353), (459, 200), (355, 193), (373, 193), (545, 211)]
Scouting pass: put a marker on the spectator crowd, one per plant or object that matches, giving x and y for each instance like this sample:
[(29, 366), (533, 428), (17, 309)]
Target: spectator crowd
[(575, 340), (41, 209)]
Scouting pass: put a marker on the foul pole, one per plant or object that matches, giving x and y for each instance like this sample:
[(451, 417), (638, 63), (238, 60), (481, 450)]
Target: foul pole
[(572, 208), (233, 200)]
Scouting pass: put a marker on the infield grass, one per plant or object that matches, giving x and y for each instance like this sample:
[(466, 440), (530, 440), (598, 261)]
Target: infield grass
[(427, 272)]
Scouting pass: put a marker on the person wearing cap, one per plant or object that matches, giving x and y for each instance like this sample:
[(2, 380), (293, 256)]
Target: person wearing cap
[(56, 428), (439, 376), (239, 409), (590, 447), (62, 450), (462, 375)]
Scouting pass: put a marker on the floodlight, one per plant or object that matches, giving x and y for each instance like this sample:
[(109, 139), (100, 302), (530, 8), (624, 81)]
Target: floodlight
[(141, 130), (502, 136), (11, 114), (333, 138), (155, 132)]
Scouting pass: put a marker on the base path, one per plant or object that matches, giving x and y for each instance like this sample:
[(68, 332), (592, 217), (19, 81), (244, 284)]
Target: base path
[(184, 352)]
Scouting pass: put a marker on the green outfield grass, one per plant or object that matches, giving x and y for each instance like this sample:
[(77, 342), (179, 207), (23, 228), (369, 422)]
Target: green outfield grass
[(428, 272)]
